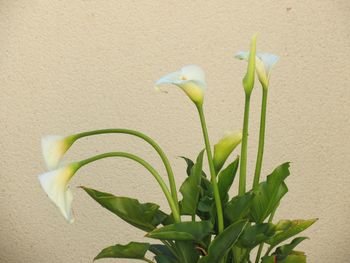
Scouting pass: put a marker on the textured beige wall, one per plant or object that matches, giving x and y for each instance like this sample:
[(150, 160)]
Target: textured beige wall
[(69, 66)]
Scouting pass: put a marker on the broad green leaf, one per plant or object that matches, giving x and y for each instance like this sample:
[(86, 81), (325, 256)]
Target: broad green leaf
[(223, 242), (133, 250), (163, 254), (238, 207), (294, 257), (188, 251), (190, 164), (158, 249), (194, 231), (190, 189), (294, 228), (164, 259), (144, 216), (268, 259), (255, 235), (283, 251), (225, 179), (268, 194)]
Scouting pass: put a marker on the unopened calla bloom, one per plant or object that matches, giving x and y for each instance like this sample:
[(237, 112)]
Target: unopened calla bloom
[(53, 148), (55, 184), (264, 63), (224, 148), (249, 78), (190, 79)]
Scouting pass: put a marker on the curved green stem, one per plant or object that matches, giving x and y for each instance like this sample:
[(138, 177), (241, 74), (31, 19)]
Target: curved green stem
[(261, 138), (243, 166), (148, 167), (148, 140), (212, 170)]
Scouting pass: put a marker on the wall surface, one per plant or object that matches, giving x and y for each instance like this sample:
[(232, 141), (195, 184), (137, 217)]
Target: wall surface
[(69, 66)]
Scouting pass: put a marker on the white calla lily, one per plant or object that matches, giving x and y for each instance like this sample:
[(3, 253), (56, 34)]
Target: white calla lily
[(55, 184), (53, 148), (263, 65), (191, 79)]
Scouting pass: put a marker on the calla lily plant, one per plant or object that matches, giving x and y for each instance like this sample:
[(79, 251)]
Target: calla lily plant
[(209, 223)]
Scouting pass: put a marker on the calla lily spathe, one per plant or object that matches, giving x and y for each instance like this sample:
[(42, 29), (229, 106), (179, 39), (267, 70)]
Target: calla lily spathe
[(191, 79), (53, 148), (263, 65), (55, 185), (224, 148)]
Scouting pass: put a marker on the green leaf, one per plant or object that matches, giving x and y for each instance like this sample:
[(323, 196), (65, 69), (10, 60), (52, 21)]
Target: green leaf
[(190, 189), (255, 235), (283, 251), (143, 216), (163, 253), (194, 231), (238, 207), (294, 257), (133, 250), (226, 178), (269, 193), (223, 242), (293, 228), (190, 164), (164, 259)]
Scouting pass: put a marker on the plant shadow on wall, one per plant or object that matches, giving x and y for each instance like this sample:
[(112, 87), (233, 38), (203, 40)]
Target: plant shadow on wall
[(220, 228)]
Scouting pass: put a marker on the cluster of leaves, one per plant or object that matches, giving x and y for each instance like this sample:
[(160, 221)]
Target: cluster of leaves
[(197, 239)]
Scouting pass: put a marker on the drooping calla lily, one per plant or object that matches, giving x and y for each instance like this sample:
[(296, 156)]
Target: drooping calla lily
[(263, 65), (191, 79), (55, 184), (224, 148), (53, 148)]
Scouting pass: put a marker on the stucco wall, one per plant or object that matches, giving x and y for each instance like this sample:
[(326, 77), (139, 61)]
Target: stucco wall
[(69, 66)]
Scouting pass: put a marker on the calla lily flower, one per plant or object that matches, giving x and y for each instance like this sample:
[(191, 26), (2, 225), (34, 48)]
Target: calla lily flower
[(224, 148), (263, 65), (191, 79), (53, 148), (55, 184)]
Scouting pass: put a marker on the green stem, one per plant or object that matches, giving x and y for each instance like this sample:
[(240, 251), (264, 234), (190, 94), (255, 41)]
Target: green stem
[(243, 167), (261, 138), (148, 167), (258, 255), (212, 170), (148, 140)]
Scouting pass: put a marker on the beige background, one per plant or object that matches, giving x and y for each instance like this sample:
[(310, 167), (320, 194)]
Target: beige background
[(69, 66)]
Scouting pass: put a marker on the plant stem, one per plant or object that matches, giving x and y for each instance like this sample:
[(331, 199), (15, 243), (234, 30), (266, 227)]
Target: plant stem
[(261, 138), (148, 140), (258, 255), (148, 167), (212, 170), (243, 167)]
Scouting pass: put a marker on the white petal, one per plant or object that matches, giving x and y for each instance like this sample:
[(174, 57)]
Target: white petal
[(53, 148), (193, 72), (55, 185), (243, 55), (190, 73), (172, 78), (268, 59)]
